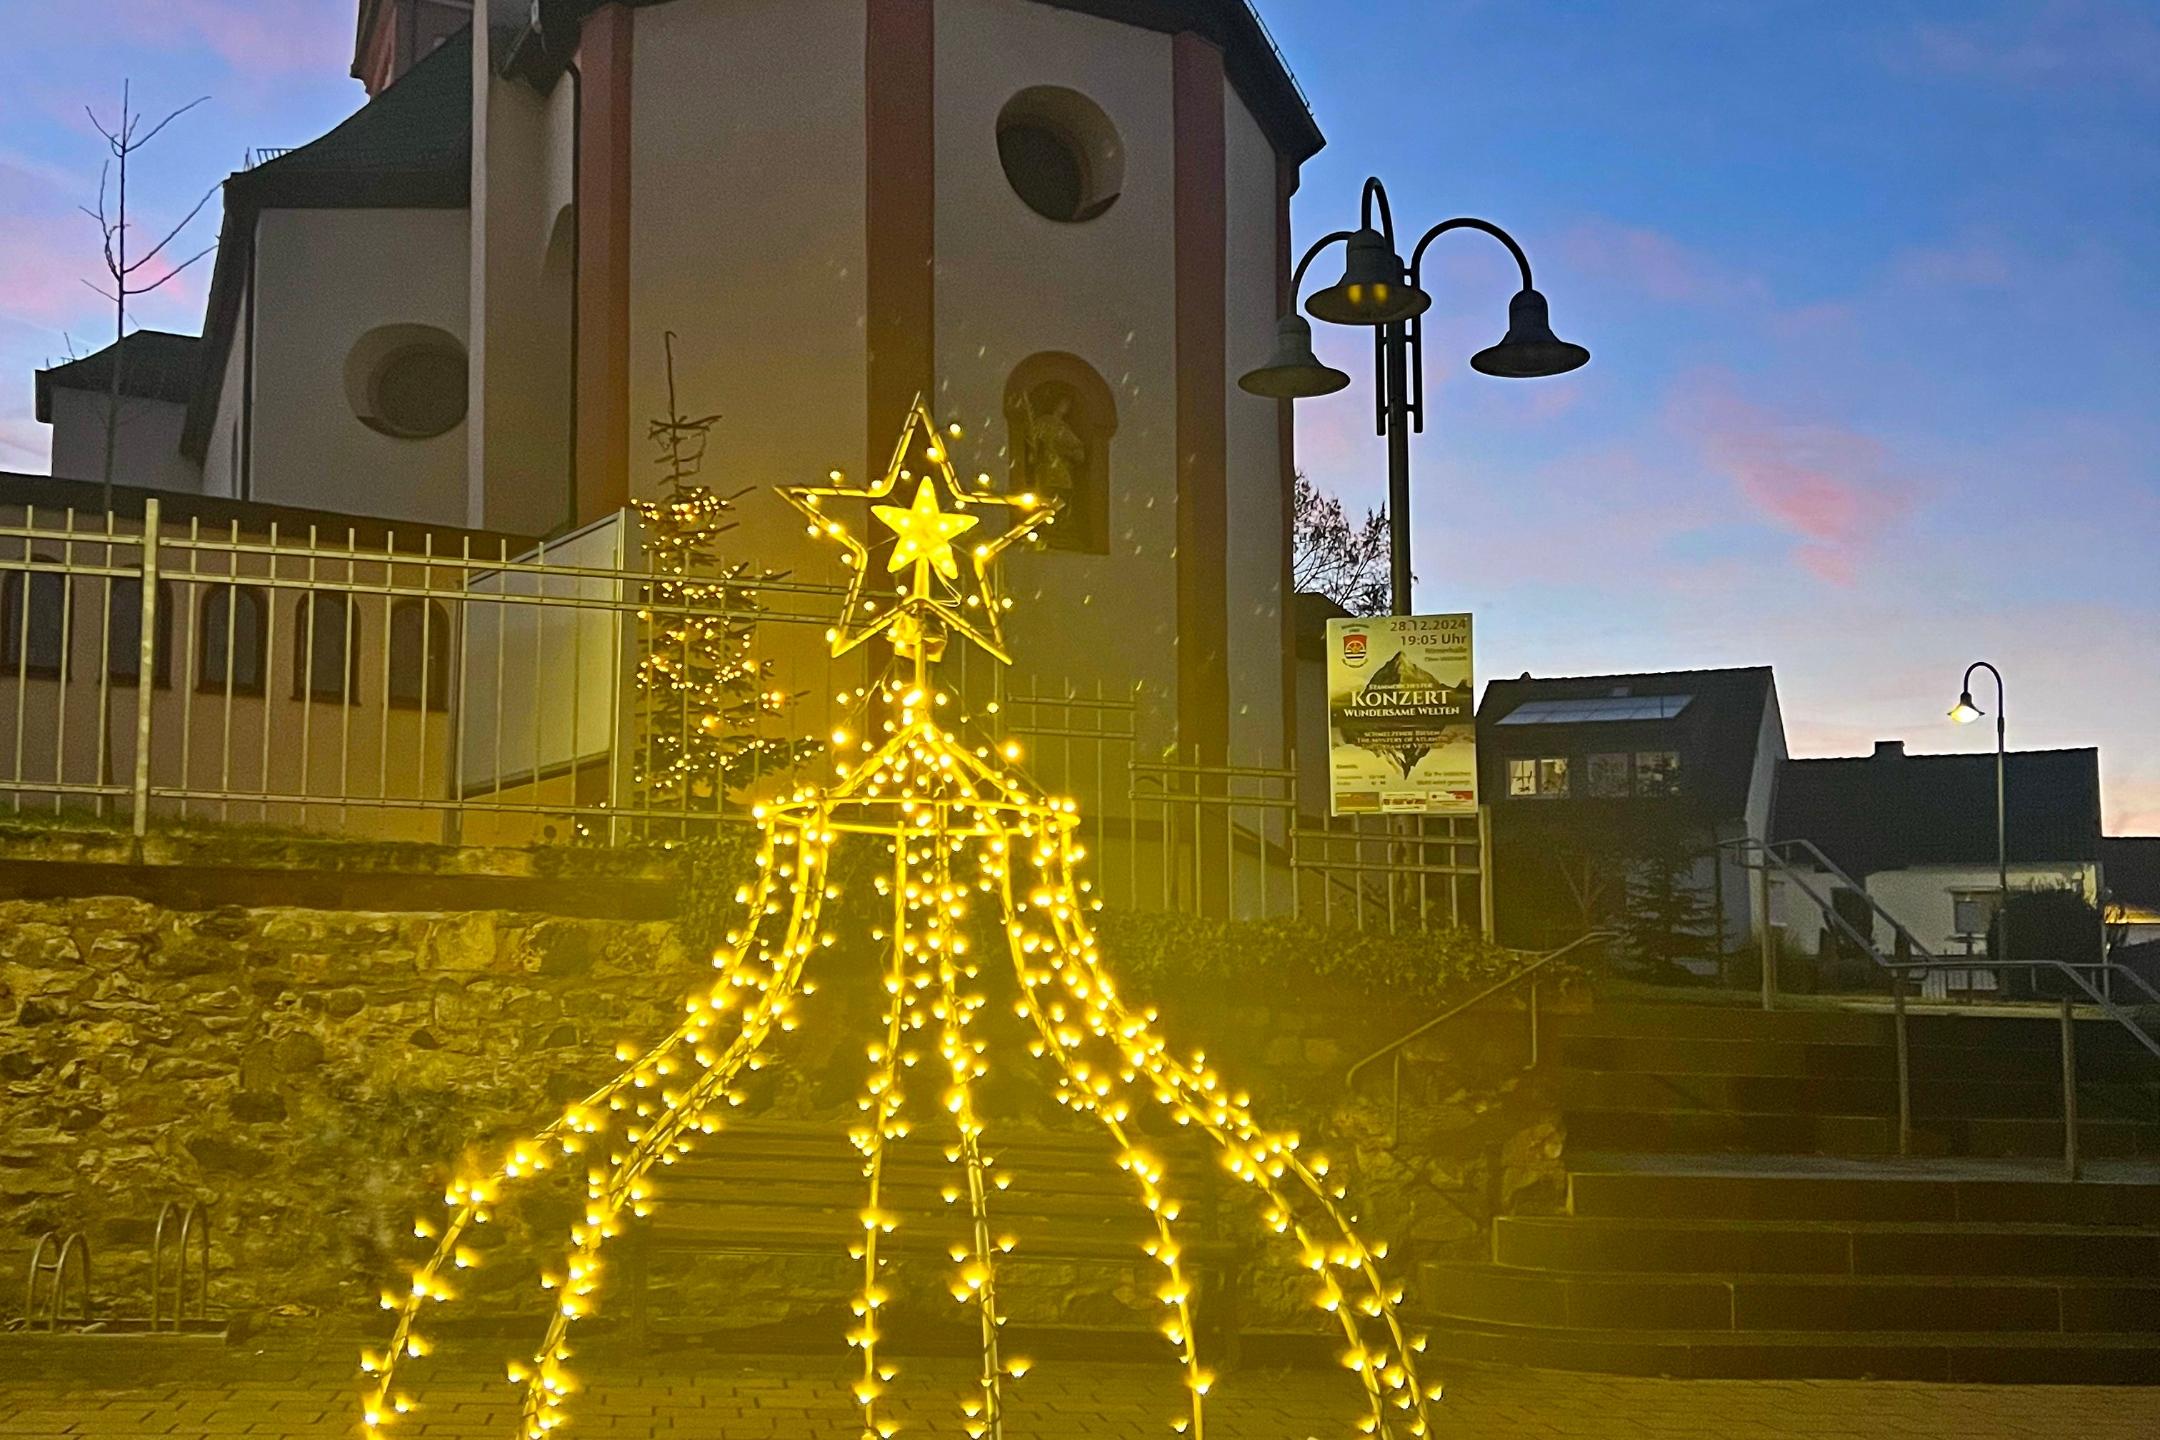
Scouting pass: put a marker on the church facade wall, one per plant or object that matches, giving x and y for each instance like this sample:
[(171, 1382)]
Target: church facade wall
[(147, 449), (1012, 283), (1254, 472), (324, 279)]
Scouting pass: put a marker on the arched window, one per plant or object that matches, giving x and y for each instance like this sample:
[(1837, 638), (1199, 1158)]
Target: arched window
[(123, 629), (34, 636), (420, 654), (1059, 417), (326, 649), (232, 626)]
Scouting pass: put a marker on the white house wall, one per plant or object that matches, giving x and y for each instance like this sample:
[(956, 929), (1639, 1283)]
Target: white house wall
[(1922, 898), (326, 278), (147, 452)]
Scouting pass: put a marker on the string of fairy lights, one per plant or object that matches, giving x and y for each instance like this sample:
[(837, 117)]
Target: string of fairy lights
[(962, 823)]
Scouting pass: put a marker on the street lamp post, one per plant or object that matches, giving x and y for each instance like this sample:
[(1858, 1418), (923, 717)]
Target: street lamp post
[(1964, 713), (1378, 291)]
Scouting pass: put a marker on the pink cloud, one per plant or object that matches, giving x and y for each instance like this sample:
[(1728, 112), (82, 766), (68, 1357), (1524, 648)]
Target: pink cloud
[(1832, 489), (2061, 43), (42, 264), (1655, 266), (257, 37), (25, 445)]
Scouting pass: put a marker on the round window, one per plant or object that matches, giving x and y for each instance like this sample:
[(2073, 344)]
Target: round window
[(1061, 154), (407, 381)]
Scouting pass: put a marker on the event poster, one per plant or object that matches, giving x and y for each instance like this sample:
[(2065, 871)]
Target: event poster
[(1402, 716)]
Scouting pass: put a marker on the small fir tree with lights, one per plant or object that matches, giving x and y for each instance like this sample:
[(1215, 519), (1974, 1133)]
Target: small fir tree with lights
[(701, 688)]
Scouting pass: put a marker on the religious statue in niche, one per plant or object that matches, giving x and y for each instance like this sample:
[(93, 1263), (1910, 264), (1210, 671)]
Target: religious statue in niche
[(1053, 455), (1059, 420)]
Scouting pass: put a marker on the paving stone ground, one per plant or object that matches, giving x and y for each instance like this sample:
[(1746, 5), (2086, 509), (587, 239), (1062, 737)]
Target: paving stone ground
[(303, 1386)]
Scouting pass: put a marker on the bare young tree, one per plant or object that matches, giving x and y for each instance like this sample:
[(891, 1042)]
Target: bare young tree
[(124, 137), (1331, 555)]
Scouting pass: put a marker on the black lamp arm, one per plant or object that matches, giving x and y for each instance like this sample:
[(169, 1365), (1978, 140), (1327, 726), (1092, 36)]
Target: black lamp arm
[(1312, 253), (1967, 686), (1376, 193), (1415, 338)]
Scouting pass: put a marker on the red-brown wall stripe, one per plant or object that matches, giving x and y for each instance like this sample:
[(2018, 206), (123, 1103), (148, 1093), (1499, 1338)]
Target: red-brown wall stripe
[(603, 263), (1286, 182), (1202, 506), (899, 118)]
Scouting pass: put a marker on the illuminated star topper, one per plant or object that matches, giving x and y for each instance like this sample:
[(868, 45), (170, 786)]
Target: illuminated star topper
[(946, 587)]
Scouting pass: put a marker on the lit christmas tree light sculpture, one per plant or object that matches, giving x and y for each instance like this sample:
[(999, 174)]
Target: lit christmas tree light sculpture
[(964, 826)]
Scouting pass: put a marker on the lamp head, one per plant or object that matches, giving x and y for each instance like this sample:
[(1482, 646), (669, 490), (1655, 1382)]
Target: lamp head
[(1965, 712), (1372, 290), (1529, 350), (1293, 372)]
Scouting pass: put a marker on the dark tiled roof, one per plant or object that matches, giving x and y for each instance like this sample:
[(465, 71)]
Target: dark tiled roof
[(409, 146), (155, 365), (2132, 867), (1718, 730), (1889, 810)]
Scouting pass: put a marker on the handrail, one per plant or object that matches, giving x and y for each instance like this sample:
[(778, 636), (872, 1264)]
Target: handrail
[(1396, 1046), (1917, 958)]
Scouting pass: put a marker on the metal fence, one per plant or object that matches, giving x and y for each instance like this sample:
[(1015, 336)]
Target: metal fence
[(1171, 833), (169, 673)]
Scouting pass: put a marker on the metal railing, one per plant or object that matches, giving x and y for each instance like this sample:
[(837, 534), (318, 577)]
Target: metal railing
[(309, 680), (441, 687), (1530, 973), (2092, 979)]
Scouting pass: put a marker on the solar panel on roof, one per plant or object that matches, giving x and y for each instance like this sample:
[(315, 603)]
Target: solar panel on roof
[(1597, 708)]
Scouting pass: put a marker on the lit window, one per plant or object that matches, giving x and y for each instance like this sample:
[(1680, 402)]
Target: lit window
[(1608, 776), (1657, 772), (1543, 778)]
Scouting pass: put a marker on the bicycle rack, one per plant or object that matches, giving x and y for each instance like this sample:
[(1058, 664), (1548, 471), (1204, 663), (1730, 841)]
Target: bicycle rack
[(56, 1298), (194, 1223), (73, 1245)]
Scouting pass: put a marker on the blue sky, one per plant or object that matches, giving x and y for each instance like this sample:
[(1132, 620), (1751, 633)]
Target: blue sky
[(1873, 293)]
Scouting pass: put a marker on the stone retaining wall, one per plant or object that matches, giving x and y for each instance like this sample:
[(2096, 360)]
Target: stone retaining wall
[(311, 1075)]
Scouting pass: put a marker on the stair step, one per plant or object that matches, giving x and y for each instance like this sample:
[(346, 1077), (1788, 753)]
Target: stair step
[(2129, 1359), (1582, 1243), (1651, 1195), (1849, 1095), (1724, 1131), (1783, 1303), (1726, 1022), (1941, 1062)]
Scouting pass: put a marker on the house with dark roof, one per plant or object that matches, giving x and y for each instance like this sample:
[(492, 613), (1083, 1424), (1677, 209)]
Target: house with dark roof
[(1916, 833), (153, 373), (1586, 775)]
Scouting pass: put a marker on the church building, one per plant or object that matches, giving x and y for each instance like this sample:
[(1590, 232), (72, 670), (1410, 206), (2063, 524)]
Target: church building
[(1063, 222)]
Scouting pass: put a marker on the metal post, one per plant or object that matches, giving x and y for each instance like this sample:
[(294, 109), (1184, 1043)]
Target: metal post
[(1533, 1024), (1769, 939), (145, 671), (1904, 1065), (1396, 348), (2069, 1078), (1485, 871)]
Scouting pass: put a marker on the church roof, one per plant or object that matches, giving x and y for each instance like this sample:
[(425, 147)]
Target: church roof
[(410, 146), (157, 365)]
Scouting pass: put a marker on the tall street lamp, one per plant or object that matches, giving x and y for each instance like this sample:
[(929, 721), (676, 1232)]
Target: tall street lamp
[(1965, 712), (1377, 290)]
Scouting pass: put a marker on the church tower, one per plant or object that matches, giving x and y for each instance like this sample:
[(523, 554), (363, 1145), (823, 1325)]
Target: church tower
[(1063, 220)]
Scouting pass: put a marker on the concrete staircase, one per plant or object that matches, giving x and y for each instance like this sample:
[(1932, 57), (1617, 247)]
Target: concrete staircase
[(1736, 1206)]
